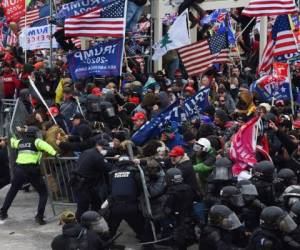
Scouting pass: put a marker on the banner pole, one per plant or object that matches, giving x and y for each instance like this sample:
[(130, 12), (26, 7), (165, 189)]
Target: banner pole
[(290, 85), (51, 45)]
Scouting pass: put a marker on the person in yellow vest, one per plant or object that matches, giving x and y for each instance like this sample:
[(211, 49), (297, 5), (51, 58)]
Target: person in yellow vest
[(29, 155)]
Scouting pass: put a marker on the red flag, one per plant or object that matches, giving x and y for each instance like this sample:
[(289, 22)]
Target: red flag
[(13, 10), (243, 146), (270, 7)]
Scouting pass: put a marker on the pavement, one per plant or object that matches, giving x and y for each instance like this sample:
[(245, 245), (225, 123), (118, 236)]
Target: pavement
[(20, 232)]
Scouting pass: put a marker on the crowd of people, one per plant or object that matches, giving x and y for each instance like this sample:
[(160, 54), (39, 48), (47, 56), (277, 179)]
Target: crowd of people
[(177, 189)]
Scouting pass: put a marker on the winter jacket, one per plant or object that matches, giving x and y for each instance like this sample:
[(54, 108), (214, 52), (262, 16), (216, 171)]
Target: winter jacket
[(68, 108), (189, 175), (73, 230)]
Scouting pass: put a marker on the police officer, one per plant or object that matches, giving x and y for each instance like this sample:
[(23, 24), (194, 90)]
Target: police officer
[(27, 170), (125, 190), (292, 240), (93, 106), (232, 198), (89, 174), (285, 177), (290, 196), (217, 234), (274, 224), (179, 208), (253, 207), (263, 177)]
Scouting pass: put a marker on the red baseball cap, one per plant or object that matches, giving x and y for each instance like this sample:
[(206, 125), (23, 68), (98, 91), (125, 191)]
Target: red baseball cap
[(296, 124), (138, 116), (53, 111), (176, 151), (96, 91)]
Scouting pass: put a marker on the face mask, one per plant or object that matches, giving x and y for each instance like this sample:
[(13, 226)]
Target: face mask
[(232, 86), (103, 152), (111, 144)]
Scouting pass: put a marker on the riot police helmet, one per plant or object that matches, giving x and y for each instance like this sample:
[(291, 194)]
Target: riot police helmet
[(275, 219), (232, 196), (264, 170), (222, 170), (291, 195), (174, 176), (287, 175), (295, 212), (223, 217), (107, 109), (247, 188), (94, 221)]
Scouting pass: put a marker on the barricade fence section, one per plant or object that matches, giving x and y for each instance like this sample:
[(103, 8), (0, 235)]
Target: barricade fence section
[(6, 113), (57, 172)]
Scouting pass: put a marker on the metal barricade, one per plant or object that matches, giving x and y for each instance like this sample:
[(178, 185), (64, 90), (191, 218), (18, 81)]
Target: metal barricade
[(6, 113), (57, 172)]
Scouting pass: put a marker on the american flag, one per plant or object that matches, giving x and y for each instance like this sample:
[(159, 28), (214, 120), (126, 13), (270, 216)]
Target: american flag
[(283, 36), (270, 7), (76, 42), (31, 16), (108, 21), (198, 57), (267, 58), (11, 39)]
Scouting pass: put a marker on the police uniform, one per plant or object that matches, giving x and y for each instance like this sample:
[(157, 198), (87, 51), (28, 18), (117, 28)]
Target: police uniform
[(123, 202), (90, 173), (27, 170)]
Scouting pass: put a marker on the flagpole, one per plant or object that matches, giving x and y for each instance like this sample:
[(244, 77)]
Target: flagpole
[(51, 45), (290, 87)]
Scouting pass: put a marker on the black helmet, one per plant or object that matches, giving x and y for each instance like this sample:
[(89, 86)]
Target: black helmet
[(291, 195), (107, 110), (295, 212), (221, 216), (248, 190), (174, 176), (232, 196), (94, 221), (288, 176), (264, 170), (222, 170), (275, 219)]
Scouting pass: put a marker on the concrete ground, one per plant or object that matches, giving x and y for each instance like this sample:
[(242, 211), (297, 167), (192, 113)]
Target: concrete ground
[(20, 232)]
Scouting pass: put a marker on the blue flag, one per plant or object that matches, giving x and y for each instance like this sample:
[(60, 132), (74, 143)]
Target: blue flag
[(79, 7), (103, 59), (40, 22), (267, 88), (217, 19), (174, 113), (195, 104), (152, 128)]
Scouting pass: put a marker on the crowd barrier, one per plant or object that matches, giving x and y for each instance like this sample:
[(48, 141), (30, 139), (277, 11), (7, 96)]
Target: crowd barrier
[(57, 173), (6, 114)]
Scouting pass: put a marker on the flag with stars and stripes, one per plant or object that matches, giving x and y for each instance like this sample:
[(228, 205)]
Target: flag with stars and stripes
[(34, 15), (104, 21), (198, 57), (282, 34)]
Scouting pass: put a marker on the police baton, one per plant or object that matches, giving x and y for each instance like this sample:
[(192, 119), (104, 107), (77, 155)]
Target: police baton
[(145, 190)]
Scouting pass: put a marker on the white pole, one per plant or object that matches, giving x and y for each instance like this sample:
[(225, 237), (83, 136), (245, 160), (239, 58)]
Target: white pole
[(290, 85), (263, 36), (157, 15), (51, 44), (25, 35)]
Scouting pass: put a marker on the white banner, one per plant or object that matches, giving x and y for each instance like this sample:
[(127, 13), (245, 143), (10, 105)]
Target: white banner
[(37, 38)]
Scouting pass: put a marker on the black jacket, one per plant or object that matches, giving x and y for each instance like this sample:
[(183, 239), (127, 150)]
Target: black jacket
[(73, 230), (91, 164)]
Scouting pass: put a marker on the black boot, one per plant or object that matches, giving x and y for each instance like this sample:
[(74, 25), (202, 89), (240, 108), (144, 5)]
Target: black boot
[(40, 220)]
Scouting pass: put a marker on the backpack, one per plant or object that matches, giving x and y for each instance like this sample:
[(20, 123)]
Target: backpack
[(80, 242)]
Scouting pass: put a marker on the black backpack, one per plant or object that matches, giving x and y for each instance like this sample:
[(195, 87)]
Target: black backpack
[(80, 242)]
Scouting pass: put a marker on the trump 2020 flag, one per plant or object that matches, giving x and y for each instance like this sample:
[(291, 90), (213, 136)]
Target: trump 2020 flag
[(177, 37), (196, 104), (103, 59), (152, 128), (273, 86), (243, 146)]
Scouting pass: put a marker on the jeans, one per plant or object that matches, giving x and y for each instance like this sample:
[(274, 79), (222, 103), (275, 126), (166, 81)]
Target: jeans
[(134, 13)]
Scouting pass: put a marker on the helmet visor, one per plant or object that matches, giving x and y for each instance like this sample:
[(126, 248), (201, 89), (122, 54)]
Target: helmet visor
[(249, 189), (287, 224), (110, 112), (231, 222), (292, 201), (237, 200), (197, 147), (222, 173)]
